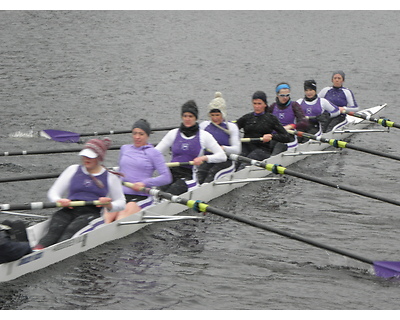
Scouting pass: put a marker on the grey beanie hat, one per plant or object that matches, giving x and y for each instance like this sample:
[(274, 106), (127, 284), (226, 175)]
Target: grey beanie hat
[(338, 72), (142, 124)]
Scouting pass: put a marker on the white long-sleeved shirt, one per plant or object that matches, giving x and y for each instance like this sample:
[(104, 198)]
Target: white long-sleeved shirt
[(60, 187), (234, 137), (341, 97), (207, 141)]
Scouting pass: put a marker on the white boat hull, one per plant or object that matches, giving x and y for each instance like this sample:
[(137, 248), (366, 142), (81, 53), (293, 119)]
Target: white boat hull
[(105, 233)]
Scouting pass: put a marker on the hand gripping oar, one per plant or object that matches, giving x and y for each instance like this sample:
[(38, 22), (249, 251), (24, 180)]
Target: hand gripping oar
[(342, 144), (44, 205), (384, 269), (277, 169), (73, 137)]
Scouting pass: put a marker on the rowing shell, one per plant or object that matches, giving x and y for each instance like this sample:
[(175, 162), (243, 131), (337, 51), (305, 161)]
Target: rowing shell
[(97, 233)]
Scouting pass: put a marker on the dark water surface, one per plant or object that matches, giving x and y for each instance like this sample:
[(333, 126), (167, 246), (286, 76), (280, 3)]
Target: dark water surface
[(102, 70)]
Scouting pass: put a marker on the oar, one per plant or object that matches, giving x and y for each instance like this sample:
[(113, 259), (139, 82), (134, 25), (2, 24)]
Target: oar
[(55, 175), (33, 152), (178, 164), (277, 169), (31, 177), (382, 121), (44, 205), (342, 144), (73, 137), (384, 269), (69, 150), (24, 214), (251, 139)]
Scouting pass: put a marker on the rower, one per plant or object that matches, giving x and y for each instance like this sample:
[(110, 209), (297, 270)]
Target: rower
[(187, 143), (87, 182), (138, 163), (227, 135), (341, 97), (14, 242), (260, 123), (289, 112), (315, 108)]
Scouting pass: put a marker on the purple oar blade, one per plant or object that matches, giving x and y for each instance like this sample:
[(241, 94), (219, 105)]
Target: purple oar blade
[(387, 269), (61, 136)]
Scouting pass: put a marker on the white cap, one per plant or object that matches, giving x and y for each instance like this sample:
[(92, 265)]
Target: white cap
[(218, 103), (88, 153)]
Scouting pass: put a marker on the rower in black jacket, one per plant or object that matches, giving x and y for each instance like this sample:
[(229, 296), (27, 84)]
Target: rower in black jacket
[(261, 123)]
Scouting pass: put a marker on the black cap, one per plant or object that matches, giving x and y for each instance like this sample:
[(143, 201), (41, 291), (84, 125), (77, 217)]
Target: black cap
[(260, 95), (310, 84), (190, 106)]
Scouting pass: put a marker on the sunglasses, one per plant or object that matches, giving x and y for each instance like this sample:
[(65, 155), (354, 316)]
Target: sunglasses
[(284, 95)]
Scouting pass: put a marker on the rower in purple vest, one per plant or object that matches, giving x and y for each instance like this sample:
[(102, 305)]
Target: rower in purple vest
[(341, 97), (315, 108), (227, 135), (89, 181), (289, 112), (188, 143), (138, 163)]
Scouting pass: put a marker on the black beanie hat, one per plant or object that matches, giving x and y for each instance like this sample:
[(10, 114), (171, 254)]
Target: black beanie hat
[(190, 106), (142, 124), (310, 84), (260, 95)]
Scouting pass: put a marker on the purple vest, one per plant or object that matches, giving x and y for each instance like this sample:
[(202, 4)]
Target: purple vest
[(336, 96), (285, 116), (221, 136), (184, 150), (83, 187), (313, 110)]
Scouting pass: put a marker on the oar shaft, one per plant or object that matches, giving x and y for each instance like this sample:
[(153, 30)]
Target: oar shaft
[(102, 133), (178, 164), (251, 139), (55, 175), (286, 234), (33, 152), (203, 207), (282, 170), (382, 121), (375, 152), (24, 214), (44, 205), (32, 177), (342, 144), (336, 186)]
